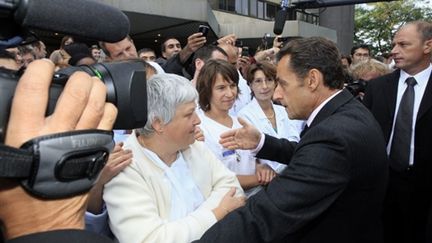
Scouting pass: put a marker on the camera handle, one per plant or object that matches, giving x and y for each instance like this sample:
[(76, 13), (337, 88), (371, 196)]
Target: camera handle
[(58, 165)]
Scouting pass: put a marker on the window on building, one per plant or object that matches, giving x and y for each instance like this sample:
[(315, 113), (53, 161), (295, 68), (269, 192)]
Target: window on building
[(245, 7), (214, 4), (253, 8), (271, 11), (260, 9), (242, 7), (230, 5)]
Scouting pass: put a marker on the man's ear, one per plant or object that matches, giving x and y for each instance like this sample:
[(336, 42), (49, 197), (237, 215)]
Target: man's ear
[(427, 48), (199, 64), (314, 79)]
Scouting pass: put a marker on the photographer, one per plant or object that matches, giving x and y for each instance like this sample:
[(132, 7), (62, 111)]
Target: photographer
[(82, 105)]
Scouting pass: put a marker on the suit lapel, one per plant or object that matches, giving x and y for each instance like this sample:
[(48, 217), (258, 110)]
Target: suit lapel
[(390, 90), (426, 102), (329, 108)]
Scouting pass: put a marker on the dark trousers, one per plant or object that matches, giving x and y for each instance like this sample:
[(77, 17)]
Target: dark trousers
[(406, 210)]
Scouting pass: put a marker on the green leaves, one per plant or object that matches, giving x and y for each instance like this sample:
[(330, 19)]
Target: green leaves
[(376, 23)]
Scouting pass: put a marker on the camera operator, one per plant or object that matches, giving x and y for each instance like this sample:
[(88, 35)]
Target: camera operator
[(82, 105)]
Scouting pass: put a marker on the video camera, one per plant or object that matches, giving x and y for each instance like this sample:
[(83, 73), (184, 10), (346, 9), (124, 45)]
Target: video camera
[(356, 87), (126, 89), (63, 165), (125, 80)]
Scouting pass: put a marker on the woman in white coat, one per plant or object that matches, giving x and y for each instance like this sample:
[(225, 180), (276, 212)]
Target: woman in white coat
[(217, 85), (175, 188), (261, 112)]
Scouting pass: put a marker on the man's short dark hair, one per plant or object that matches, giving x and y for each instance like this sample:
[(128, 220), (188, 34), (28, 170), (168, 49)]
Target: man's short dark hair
[(315, 53), (205, 53), (145, 49), (362, 46), (37, 44), (102, 45), (94, 47), (424, 29), (163, 47)]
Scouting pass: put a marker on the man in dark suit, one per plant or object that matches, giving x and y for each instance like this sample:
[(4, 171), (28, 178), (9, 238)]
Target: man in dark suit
[(333, 187), (410, 179)]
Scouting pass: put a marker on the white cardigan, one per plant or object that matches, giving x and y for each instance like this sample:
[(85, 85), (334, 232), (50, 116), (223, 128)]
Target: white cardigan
[(138, 199)]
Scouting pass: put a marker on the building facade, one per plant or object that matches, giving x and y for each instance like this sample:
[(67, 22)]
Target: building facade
[(154, 20)]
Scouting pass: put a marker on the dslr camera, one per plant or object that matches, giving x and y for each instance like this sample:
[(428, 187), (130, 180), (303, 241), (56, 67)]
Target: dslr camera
[(356, 87), (66, 164)]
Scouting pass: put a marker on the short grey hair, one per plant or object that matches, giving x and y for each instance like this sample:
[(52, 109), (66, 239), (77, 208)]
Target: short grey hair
[(165, 92)]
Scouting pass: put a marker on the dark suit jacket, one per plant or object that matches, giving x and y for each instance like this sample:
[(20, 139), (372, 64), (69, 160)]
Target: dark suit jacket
[(380, 98), (415, 185), (331, 191)]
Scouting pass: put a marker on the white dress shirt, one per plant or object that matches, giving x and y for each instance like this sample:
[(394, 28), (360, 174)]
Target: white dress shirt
[(422, 79)]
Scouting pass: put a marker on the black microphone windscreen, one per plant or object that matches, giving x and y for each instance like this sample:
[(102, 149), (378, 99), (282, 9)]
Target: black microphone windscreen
[(82, 18), (279, 21)]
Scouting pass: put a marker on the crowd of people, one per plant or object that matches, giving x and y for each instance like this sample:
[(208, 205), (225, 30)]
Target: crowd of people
[(272, 147)]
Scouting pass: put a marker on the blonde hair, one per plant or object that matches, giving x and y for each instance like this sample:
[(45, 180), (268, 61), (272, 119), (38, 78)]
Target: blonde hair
[(361, 68)]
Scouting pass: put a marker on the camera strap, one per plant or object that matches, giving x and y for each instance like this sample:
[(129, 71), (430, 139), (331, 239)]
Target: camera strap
[(58, 165)]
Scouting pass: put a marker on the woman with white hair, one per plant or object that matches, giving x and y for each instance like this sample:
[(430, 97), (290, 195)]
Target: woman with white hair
[(175, 188)]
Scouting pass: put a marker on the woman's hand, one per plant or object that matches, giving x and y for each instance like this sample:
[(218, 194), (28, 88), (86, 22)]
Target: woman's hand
[(199, 135), (228, 204), (264, 174), (118, 159)]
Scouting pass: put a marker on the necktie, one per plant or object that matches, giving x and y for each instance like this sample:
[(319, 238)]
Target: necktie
[(400, 148), (306, 127)]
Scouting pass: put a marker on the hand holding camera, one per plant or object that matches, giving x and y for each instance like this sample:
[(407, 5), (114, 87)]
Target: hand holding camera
[(82, 105), (195, 41), (278, 41)]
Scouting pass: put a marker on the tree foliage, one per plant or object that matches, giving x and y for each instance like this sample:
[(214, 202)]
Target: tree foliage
[(376, 23)]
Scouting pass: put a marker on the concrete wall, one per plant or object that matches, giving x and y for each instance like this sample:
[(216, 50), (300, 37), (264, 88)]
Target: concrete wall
[(246, 27), (340, 19), (190, 9), (224, 23)]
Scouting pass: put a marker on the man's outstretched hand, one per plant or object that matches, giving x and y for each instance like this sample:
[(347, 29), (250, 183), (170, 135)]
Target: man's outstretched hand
[(246, 137)]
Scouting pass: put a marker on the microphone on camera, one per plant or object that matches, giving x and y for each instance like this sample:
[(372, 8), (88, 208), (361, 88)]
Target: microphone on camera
[(82, 18), (281, 18)]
